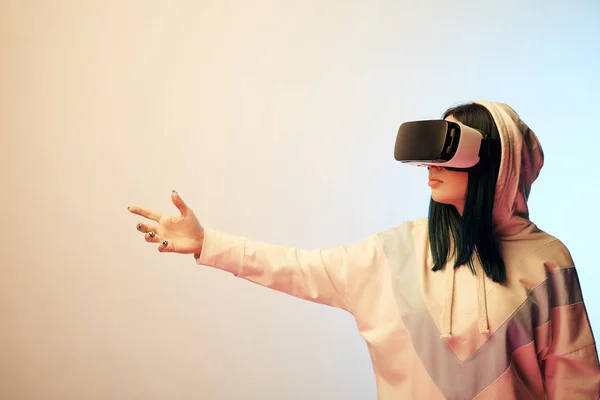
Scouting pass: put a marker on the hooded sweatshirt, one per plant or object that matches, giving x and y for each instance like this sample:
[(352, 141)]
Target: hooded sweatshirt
[(449, 334)]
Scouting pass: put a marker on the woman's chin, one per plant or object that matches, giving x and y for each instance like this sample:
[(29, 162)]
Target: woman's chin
[(442, 199)]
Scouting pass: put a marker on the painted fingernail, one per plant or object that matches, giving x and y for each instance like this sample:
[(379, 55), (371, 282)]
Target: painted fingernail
[(165, 243), (139, 226), (151, 234)]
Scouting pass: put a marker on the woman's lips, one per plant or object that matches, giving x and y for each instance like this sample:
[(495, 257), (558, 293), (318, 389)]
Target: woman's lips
[(434, 182)]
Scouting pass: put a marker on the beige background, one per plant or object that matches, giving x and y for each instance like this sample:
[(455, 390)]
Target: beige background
[(274, 120)]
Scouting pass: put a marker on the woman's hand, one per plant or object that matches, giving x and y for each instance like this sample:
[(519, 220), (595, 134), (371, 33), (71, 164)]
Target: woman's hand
[(182, 234)]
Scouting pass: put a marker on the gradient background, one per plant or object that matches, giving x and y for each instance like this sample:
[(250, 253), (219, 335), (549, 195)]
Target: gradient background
[(274, 120)]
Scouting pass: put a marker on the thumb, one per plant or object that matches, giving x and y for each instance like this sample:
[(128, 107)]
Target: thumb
[(179, 203)]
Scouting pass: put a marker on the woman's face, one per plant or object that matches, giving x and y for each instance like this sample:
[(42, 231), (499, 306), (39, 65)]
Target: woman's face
[(449, 187)]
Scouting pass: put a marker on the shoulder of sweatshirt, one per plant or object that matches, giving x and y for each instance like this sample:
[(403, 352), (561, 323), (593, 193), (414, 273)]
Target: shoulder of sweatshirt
[(533, 257)]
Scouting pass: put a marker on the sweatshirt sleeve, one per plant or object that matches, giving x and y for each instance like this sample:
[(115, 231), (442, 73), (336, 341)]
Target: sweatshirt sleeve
[(570, 365), (321, 276)]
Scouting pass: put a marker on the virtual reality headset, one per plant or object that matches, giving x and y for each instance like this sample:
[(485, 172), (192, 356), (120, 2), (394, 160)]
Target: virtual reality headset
[(439, 143)]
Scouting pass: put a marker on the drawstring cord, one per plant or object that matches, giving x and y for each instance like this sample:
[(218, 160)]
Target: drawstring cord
[(482, 316), (447, 306)]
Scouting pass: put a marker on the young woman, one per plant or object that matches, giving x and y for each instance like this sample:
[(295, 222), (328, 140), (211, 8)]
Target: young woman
[(472, 302)]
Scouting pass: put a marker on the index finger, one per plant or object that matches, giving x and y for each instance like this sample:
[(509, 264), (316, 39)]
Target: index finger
[(154, 216)]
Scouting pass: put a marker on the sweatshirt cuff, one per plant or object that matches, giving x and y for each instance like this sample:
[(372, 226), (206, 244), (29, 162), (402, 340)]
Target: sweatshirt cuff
[(223, 251)]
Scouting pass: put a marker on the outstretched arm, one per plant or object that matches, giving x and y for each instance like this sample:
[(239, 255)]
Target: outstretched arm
[(322, 276)]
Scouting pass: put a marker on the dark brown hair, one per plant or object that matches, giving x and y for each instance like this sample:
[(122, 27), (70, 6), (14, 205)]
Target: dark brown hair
[(473, 232)]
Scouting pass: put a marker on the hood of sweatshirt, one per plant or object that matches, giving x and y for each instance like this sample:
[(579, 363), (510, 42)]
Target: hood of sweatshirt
[(521, 161)]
